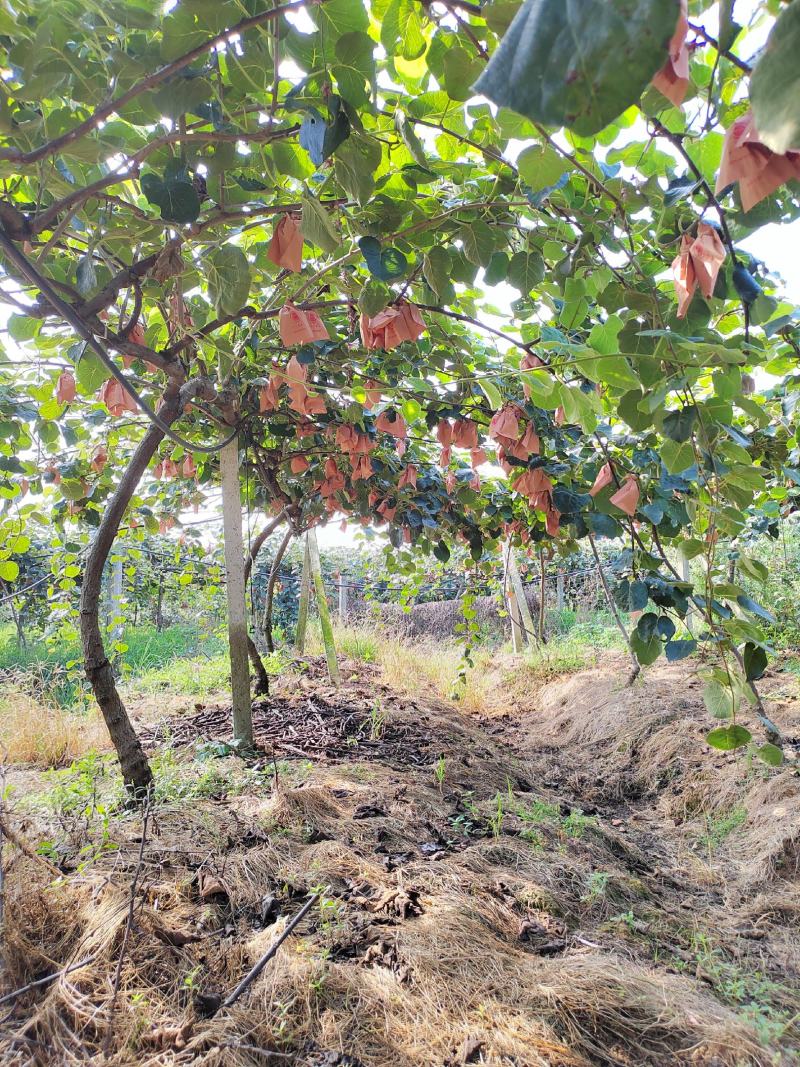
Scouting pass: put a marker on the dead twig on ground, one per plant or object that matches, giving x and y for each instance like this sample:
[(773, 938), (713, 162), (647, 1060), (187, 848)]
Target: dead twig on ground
[(256, 970)]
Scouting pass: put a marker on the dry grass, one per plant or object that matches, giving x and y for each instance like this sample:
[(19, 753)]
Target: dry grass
[(355, 978), (420, 666), (46, 735), (409, 958)]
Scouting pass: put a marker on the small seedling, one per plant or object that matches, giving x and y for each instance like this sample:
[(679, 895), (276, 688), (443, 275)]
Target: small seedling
[(496, 818), (439, 772), (377, 722)]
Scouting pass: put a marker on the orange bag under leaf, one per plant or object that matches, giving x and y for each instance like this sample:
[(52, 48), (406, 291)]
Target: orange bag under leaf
[(684, 276), (504, 424), (465, 434), (476, 457), (408, 477), (117, 399), (346, 437), (605, 476), (626, 497), (758, 170), (373, 391), (286, 247), (552, 522), (99, 459), (362, 469), (298, 464), (391, 422), (268, 399), (65, 389), (708, 254), (189, 468), (444, 433), (672, 81), (298, 327), (390, 327), (697, 264), (387, 510)]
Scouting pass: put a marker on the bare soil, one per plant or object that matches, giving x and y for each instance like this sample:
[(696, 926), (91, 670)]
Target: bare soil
[(573, 880)]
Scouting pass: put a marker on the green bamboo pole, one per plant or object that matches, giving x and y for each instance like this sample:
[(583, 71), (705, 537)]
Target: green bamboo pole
[(322, 606), (302, 610)]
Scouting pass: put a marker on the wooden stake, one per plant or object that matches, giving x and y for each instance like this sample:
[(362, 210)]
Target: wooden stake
[(234, 574), (524, 612), (322, 606), (512, 603), (302, 610)]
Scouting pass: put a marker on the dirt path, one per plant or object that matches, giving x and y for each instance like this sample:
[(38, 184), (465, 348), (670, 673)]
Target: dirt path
[(573, 882)]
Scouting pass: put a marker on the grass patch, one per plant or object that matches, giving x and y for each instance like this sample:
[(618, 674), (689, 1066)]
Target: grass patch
[(573, 646), (196, 676), (720, 827), (53, 670), (766, 1005), (47, 735)]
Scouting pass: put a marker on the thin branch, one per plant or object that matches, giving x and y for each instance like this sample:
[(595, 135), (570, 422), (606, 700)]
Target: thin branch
[(636, 668), (676, 140), (47, 979), (256, 970), (702, 33)]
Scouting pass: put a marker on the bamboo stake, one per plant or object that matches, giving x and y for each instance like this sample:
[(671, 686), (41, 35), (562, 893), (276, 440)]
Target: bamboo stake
[(322, 606), (302, 610)]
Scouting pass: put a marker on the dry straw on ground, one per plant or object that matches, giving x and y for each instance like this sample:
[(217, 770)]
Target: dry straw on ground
[(453, 928)]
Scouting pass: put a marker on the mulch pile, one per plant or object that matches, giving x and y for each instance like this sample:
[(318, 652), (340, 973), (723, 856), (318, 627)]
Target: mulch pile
[(333, 726)]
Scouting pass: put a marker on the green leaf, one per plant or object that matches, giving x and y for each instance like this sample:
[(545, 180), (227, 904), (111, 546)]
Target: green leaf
[(728, 29), (436, 270), (354, 69), (90, 372), (770, 754), (401, 29), (728, 738), (492, 393), (540, 166), (9, 570), (373, 298), (755, 609), (678, 425), (719, 700), (177, 199), (579, 65), (775, 85), (677, 456), (318, 228), (442, 552), (647, 650), (355, 162), (526, 270), (405, 128), (461, 68), (85, 275), (228, 276), (755, 662), (479, 241), (678, 650)]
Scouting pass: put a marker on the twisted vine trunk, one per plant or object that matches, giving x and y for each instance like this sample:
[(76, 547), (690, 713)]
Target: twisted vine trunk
[(133, 763)]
